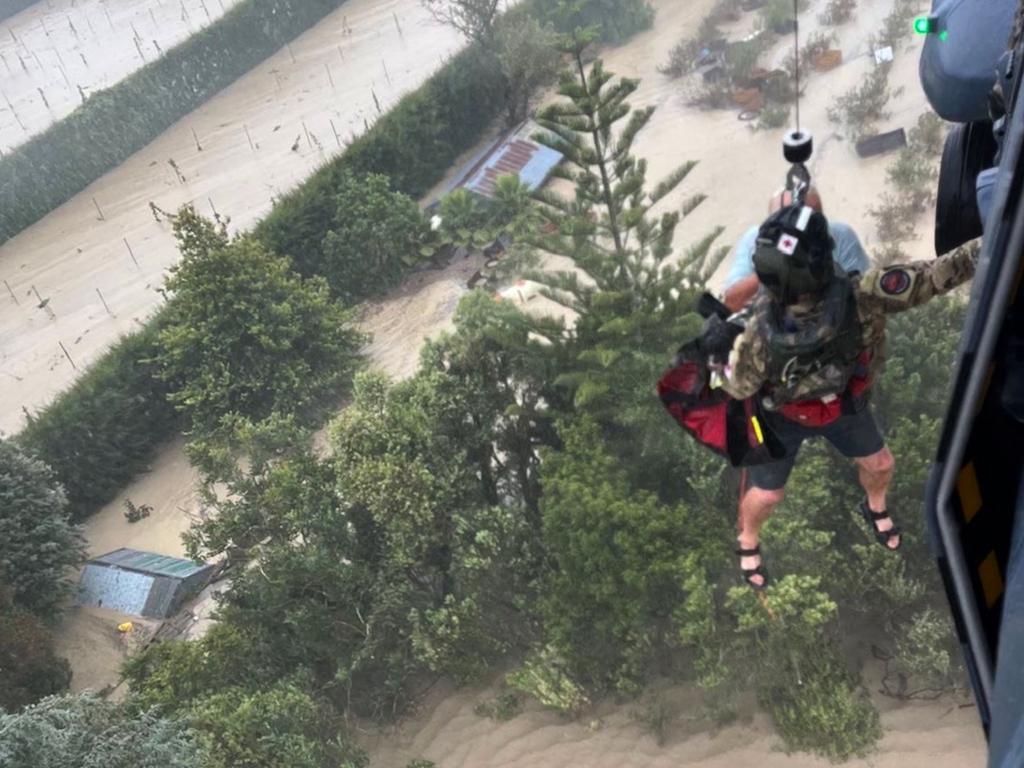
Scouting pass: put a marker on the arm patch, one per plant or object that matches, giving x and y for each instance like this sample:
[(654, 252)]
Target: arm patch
[(895, 282)]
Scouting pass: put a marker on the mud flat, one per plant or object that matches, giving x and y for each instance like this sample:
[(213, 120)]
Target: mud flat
[(52, 49), (934, 734)]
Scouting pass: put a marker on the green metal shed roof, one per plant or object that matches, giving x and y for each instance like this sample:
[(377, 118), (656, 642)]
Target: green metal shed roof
[(150, 562)]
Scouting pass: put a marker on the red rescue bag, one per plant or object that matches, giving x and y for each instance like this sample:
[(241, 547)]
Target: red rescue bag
[(735, 429)]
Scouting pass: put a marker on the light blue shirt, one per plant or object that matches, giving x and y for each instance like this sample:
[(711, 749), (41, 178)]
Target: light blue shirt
[(849, 253)]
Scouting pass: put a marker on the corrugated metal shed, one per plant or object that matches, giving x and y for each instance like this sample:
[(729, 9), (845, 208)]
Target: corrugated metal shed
[(150, 562), (124, 591), (516, 154), (141, 583)]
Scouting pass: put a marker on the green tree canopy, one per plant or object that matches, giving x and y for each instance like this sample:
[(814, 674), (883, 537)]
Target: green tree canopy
[(245, 334), (38, 543), (473, 19), (620, 562), (614, 19), (278, 727), (172, 674), (375, 236), (85, 731), (631, 300), (529, 59)]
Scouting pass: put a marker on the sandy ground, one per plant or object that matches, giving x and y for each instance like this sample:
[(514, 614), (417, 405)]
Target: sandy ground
[(55, 52), (89, 637), (170, 489), (935, 734), (421, 308), (70, 255)]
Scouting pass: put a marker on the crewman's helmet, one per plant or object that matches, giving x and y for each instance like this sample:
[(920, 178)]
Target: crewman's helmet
[(793, 257)]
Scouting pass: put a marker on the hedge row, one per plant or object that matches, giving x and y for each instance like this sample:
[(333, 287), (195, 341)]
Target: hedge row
[(52, 167), (414, 145), (102, 432)]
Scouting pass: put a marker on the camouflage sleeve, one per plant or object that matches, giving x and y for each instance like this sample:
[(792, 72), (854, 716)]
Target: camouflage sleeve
[(902, 286), (747, 367)]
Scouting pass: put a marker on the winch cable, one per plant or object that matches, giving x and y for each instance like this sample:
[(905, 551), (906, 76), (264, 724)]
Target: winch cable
[(796, 55)]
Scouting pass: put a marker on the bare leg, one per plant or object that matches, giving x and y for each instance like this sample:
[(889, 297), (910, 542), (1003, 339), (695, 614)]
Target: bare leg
[(756, 507), (876, 473)]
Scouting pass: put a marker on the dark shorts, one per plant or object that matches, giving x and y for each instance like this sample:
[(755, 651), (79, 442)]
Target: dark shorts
[(854, 435)]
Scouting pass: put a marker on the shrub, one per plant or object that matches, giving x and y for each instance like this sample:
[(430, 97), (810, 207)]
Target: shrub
[(528, 58), (460, 210), (543, 677), (375, 235), (742, 58), (890, 253), (773, 116), (838, 12), (863, 105), (615, 19), (682, 58), (686, 52), (656, 716), (895, 219), (825, 711), (799, 672), (502, 707), (897, 25), (777, 15), (57, 164), (928, 136), (134, 512), (913, 177), (927, 652), (277, 727), (87, 732)]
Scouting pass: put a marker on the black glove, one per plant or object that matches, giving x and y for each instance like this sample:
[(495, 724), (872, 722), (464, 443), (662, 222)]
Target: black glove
[(718, 337), (708, 305)]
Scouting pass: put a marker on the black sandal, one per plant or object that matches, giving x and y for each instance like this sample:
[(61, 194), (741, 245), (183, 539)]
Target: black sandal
[(882, 537), (749, 573)]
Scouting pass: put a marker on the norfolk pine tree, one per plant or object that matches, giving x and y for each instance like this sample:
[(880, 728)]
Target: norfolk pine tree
[(631, 300)]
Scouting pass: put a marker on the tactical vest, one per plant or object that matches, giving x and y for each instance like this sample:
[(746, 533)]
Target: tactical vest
[(816, 357)]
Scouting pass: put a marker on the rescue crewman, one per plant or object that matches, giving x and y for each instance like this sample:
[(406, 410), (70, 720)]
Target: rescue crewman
[(812, 345), (741, 282)]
